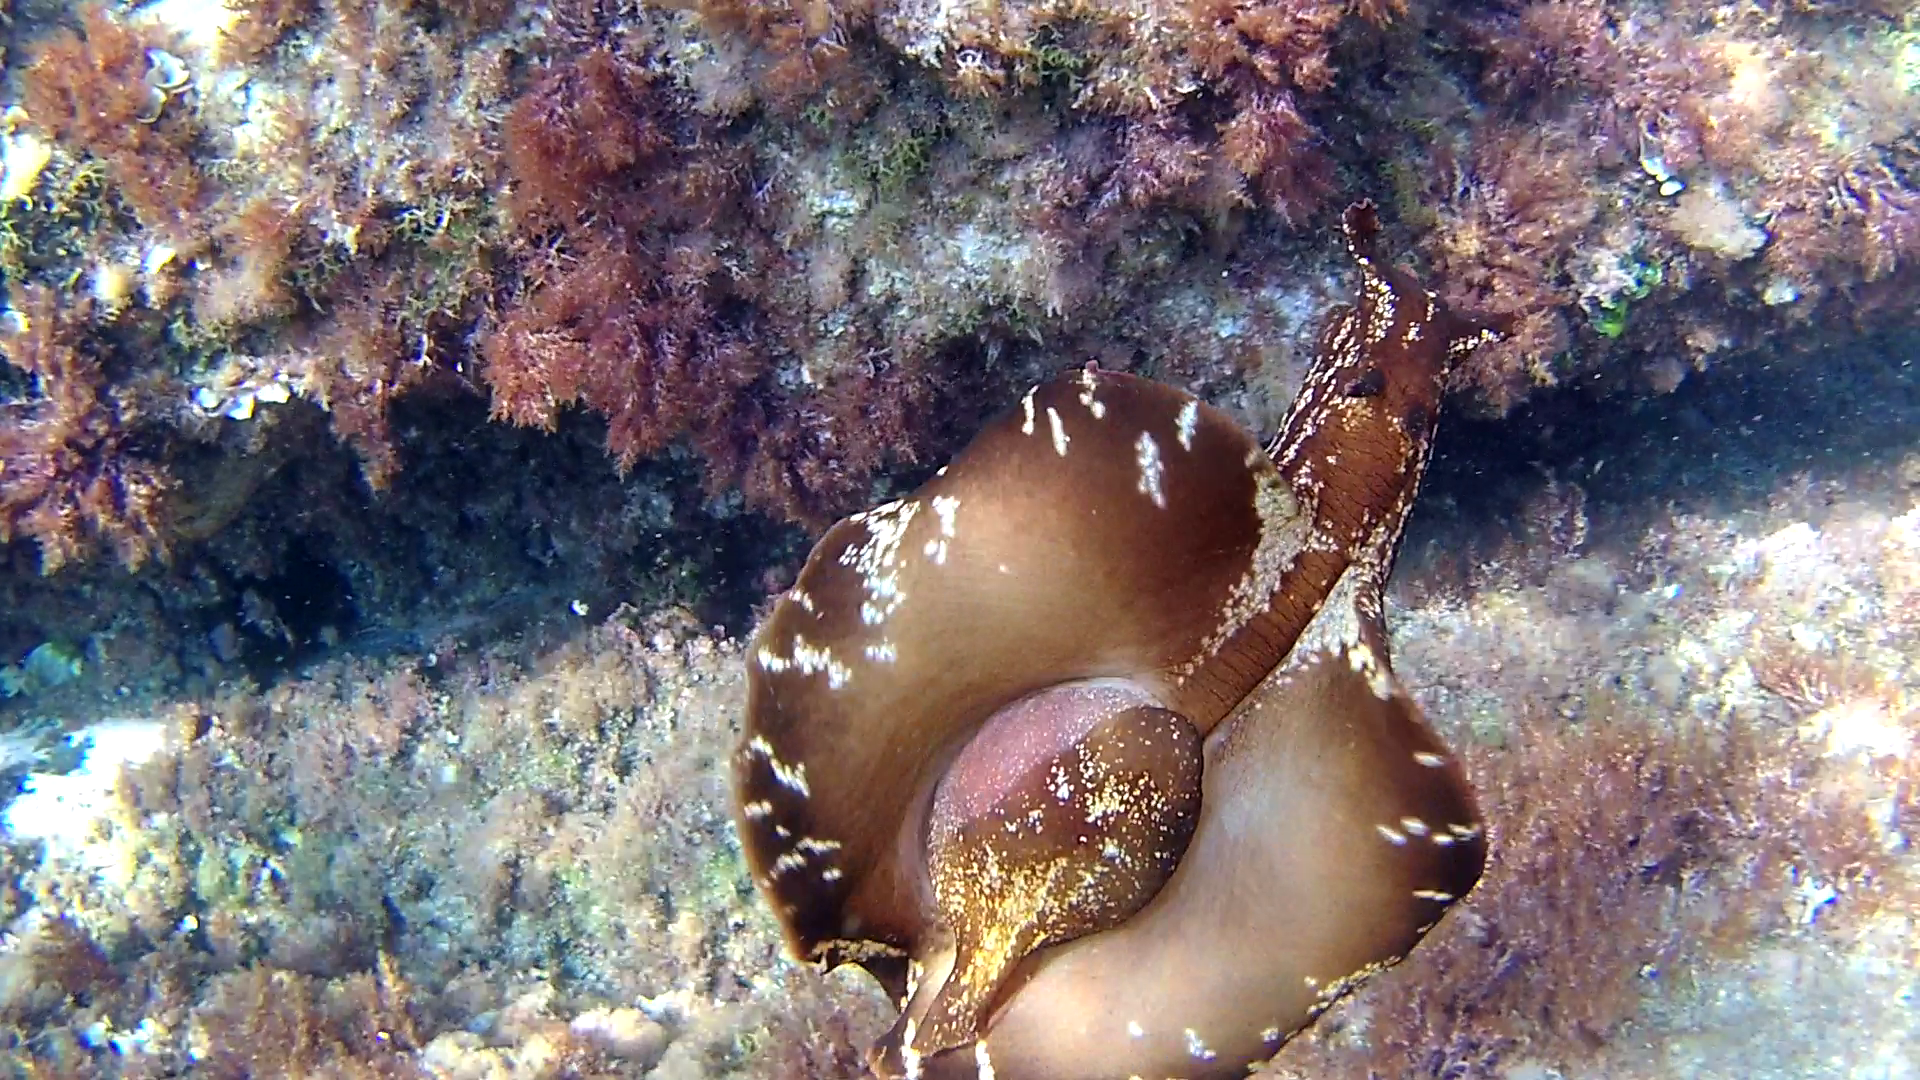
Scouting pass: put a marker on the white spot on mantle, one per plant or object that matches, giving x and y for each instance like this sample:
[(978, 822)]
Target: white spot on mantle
[(1060, 439), (1146, 454), (792, 777), (1188, 421), (1088, 382), (982, 1062), (877, 558), (806, 658), (944, 508), (1197, 1047)]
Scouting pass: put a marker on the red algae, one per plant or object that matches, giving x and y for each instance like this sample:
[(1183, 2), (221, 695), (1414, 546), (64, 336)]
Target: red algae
[(635, 214), (70, 480)]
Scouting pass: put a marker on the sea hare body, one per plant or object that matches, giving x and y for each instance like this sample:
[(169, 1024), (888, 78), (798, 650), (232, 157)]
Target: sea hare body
[(1091, 750)]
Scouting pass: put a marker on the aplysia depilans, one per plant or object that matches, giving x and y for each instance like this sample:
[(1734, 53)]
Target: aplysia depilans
[(1090, 749)]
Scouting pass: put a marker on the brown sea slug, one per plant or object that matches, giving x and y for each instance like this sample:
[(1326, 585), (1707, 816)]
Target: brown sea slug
[(1090, 749)]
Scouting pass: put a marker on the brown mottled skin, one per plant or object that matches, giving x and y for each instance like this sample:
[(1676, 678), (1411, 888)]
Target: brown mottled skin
[(1111, 566), (1357, 439)]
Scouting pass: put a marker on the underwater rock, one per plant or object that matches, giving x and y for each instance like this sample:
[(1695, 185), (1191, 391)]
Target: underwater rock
[(1091, 751)]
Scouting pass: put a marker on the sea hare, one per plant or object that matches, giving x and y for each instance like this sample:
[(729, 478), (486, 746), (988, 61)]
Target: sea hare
[(1091, 751)]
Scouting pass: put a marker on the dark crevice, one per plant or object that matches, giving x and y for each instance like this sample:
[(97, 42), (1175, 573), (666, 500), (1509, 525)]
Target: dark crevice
[(1723, 443)]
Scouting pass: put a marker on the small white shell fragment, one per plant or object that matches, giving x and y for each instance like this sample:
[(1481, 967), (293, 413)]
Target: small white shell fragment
[(153, 106), (158, 256), (165, 70)]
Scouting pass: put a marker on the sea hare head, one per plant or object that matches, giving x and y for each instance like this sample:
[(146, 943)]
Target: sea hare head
[(1091, 751)]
